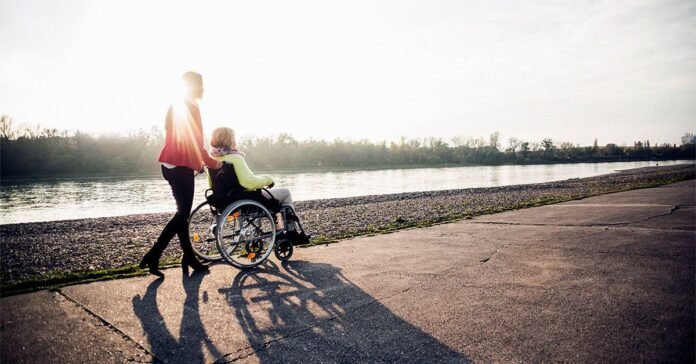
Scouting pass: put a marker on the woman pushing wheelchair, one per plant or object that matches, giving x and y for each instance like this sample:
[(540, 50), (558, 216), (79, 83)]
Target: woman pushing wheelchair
[(223, 148)]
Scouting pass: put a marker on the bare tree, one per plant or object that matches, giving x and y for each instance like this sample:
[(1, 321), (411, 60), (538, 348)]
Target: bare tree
[(524, 148), (285, 139), (478, 143), (458, 141), (567, 149), (493, 140), (6, 128), (32, 131), (595, 148), (49, 133), (514, 144), (548, 146)]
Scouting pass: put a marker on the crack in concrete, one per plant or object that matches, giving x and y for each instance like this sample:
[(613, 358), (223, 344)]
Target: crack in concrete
[(109, 325), (617, 250), (486, 259), (671, 211), (319, 323)]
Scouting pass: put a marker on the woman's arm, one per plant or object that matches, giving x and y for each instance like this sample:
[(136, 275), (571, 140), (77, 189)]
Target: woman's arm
[(246, 177), (207, 159)]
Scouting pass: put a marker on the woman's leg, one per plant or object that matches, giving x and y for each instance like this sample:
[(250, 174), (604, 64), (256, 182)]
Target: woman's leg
[(181, 181), (281, 194), (285, 198)]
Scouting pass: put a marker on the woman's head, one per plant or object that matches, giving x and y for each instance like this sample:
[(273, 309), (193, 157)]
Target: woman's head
[(193, 85), (223, 138)]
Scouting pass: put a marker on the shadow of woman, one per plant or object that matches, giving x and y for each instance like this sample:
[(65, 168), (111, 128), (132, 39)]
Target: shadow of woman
[(188, 348), (310, 312)]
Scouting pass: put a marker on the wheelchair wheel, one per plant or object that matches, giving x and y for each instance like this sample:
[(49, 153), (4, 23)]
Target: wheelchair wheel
[(283, 250), (202, 226), (245, 234)]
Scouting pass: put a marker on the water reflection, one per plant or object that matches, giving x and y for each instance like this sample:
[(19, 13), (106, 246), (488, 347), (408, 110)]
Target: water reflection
[(31, 201)]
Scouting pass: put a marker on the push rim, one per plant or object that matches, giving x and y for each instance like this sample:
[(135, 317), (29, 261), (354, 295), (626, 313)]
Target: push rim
[(246, 234), (202, 226)]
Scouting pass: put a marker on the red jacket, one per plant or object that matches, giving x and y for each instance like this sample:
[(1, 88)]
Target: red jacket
[(183, 143)]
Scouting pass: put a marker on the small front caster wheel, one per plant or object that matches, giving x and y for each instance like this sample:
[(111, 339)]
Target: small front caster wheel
[(283, 250)]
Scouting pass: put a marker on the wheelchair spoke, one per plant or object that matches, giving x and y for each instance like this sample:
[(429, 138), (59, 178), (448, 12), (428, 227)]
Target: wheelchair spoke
[(252, 224), (260, 237), (249, 239), (202, 230), (230, 251)]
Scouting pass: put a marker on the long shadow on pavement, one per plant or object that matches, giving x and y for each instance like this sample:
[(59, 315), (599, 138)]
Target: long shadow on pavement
[(192, 334), (310, 312)]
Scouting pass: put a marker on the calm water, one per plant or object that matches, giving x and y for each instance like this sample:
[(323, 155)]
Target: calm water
[(84, 198)]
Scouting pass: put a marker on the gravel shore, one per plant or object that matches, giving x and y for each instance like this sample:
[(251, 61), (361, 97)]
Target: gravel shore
[(90, 244)]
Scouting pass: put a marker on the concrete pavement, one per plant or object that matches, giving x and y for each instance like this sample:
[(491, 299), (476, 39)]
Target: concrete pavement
[(607, 278)]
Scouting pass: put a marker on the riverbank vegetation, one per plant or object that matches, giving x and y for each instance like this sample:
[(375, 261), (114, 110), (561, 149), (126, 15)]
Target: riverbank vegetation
[(40, 152)]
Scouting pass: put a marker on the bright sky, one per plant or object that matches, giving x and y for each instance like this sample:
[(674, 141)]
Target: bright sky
[(575, 70)]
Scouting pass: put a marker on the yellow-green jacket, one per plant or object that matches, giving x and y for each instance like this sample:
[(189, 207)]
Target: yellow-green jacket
[(246, 177)]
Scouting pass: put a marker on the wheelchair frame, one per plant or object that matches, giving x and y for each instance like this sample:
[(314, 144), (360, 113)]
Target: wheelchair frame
[(243, 222)]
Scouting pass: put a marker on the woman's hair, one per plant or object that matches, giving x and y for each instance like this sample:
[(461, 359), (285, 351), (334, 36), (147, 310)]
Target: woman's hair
[(222, 137), (192, 78), (192, 83)]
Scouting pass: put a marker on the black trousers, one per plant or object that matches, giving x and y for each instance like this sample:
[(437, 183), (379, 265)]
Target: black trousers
[(181, 180)]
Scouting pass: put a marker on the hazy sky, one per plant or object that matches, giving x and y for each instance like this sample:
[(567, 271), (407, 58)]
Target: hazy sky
[(617, 70)]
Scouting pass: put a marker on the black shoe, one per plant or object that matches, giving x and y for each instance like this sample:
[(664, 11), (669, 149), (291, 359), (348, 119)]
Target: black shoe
[(144, 262), (298, 238), (304, 238), (191, 261), (152, 263)]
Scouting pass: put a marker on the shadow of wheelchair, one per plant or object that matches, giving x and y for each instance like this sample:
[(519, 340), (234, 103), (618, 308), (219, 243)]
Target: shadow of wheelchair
[(310, 312)]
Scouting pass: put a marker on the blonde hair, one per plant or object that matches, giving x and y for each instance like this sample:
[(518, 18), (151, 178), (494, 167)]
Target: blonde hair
[(222, 137)]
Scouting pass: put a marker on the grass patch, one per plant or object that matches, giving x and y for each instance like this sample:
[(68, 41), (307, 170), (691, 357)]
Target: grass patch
[(57, 279)]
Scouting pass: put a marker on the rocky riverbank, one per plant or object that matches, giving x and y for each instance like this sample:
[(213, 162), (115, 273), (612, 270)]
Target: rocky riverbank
[(91, 244)]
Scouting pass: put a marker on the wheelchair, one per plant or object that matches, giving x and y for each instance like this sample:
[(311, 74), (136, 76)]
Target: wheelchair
[(241, 227)]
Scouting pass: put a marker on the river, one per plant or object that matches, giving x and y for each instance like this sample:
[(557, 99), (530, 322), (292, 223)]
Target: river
[(64, 199)]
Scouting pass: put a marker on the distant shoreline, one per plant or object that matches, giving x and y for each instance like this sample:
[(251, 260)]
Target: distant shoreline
[(157, 174)]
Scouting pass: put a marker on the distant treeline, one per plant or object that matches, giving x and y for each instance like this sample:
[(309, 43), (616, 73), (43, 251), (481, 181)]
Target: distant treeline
[(41, 152)]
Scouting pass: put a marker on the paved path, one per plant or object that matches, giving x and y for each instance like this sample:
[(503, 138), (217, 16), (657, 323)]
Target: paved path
[(607, 278)]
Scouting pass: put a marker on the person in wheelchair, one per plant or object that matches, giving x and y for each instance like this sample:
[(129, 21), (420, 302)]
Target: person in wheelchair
[(235, 180)]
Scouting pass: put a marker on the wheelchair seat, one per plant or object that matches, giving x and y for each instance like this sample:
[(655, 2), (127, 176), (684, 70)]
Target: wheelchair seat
[(227, 190)]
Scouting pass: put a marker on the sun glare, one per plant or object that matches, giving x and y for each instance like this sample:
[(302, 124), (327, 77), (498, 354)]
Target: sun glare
[(185, 132), (180, 112)]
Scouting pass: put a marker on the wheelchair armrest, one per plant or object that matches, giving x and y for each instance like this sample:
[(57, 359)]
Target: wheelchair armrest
[(270, 194)]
